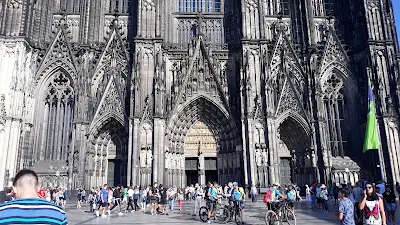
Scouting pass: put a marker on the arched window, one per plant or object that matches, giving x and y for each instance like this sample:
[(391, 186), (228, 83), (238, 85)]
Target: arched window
[(122, 6), (334, 105), (58, 114), (194, 6), (70, 6), (275, 7), (323, 7)]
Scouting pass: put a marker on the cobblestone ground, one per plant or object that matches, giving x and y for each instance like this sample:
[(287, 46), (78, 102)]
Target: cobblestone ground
[(253, 214)]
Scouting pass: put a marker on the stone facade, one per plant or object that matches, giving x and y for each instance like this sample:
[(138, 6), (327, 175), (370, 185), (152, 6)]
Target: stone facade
[(184, 91)]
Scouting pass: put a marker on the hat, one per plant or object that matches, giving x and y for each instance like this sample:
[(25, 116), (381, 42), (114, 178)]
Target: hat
[(235, 184), (276, 184), (323, 186)]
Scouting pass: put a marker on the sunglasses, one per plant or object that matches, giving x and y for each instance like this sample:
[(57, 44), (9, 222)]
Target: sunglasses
[(368, 187)]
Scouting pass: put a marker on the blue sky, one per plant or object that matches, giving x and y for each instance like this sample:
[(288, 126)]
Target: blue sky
[(396, 6)]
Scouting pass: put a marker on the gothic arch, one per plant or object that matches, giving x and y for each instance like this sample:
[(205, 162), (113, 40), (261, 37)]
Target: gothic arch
[(201, 108), (48, 73), (344, 73), (99, 123), (290, 114), (54, 114)]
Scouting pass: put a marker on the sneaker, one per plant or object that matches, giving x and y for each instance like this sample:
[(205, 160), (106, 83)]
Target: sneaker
[(208, 221), (166, 214), (103, 215), (109, 212), (97, 213), (120, 214)]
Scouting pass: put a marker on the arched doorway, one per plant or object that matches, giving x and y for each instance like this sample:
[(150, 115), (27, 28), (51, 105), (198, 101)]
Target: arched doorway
[(294, 152), (202, 137), (108, 164)]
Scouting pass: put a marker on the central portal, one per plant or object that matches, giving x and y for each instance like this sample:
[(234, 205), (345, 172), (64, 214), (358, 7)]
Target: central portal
[(200, 155)]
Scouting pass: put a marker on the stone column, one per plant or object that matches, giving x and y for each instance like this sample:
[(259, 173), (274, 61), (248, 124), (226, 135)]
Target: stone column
[(135, 152), (159, 148), (202, 172)]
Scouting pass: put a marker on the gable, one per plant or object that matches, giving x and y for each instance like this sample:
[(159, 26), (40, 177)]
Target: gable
[(59, 54)]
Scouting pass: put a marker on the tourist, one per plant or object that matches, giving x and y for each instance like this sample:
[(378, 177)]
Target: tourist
[(254, 193), (378, 191), (136, 196), (358, 194), (92, 202), (144, 198), (335, 193), (171, 194), (238, 197), (308, 196), (163, 200), (212, 197), (191, 192), (180, 198), (199, 195), (369, 203), (117, 200), (104, 201), (381, 186), (130, 199), (125, 192), (324, 197), (28, 208), (346, 208), (313, 197), (155, 198), (318, 196), (389, 199)]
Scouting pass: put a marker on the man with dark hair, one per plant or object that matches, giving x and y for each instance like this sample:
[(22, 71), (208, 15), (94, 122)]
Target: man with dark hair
[(28, 208), (346, 208)]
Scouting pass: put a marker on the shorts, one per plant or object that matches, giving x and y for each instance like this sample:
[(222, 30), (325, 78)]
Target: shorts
[(163, 202), (319, 200), (391, 206), (290, 203), (104, 204), (210, 205)]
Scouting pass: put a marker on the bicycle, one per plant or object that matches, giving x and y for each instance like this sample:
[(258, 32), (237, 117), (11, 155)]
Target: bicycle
[(282, 213), (221, 214), (235, 211)]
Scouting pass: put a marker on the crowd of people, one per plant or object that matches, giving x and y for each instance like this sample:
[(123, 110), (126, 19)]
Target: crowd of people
[(157, 199), (364, 203)]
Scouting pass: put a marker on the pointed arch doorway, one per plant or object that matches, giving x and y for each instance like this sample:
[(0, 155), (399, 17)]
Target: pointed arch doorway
[(294, 153), (200, 154)]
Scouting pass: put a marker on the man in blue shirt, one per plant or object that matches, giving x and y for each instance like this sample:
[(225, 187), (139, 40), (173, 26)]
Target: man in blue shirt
[(104, 201), (28, 208), (212, 197), (346, 208), (275, 196)]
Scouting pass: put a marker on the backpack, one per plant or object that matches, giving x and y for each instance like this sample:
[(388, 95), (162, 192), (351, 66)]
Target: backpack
[(269, 196), (291, 195)]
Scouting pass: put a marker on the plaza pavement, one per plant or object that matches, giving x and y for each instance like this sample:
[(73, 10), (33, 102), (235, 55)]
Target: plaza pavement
[(253, 214)]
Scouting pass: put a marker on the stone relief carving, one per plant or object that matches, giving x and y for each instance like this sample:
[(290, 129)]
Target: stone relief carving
[(143, 159), (149, 157), (258, 157)]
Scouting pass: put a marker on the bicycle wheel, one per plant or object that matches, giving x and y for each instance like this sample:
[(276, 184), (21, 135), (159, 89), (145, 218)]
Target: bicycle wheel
[(203, 213), (271, 218), (289, 217), (238, 216), (222, 215)]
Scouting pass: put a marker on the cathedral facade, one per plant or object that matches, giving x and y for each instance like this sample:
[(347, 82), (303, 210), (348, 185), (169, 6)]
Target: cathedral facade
[(185, 91)]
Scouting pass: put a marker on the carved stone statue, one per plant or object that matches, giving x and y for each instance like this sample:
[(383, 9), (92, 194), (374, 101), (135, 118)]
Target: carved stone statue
[(149, 158), (167, 157), (265, 156), (258, 157), (201, 163), (143, 158), (182, 166)]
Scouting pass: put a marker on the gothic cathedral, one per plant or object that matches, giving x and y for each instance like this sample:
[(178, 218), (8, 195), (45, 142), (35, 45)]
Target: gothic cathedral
[(188, 91)]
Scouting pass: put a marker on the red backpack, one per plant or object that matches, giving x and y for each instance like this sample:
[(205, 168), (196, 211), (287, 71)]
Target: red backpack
[(267, 196)]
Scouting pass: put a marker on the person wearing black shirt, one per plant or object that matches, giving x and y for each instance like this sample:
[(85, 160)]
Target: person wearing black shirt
[(163, 199), (390, 203), (117, 199)]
